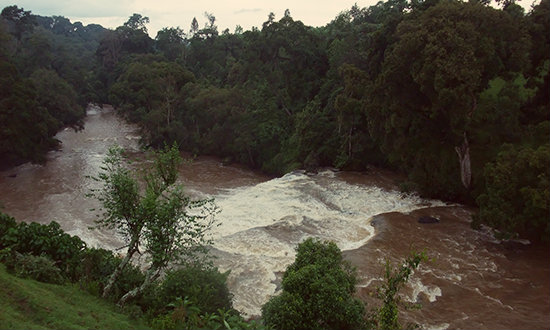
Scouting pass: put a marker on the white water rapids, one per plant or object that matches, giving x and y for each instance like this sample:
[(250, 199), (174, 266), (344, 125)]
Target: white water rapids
[(262, 224), (471, 280)]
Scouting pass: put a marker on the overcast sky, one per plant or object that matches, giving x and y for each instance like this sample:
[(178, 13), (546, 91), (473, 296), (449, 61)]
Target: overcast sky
[(173, 13)]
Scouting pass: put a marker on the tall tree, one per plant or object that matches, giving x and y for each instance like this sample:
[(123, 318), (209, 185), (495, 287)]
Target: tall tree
[(22, 21), (194, 27), (170, 41), (137, 22), (210, 29)]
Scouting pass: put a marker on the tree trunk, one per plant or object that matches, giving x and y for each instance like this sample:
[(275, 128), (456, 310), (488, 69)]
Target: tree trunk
[(152, 274), (464, 158), (132, 248)]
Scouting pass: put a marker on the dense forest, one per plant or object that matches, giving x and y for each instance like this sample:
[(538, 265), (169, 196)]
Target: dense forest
[(47, 76), (453, 94)]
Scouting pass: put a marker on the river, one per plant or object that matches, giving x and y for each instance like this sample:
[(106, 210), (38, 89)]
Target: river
[(470, 281)]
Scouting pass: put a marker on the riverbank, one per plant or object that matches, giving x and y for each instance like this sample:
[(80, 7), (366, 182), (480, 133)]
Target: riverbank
[(28, 304)]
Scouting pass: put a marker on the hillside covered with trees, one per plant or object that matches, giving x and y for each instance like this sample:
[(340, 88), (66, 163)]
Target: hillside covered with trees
[(453, 94), (47, 66)]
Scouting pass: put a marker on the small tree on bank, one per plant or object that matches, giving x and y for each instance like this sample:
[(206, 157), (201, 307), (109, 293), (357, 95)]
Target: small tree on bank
[(317, 292), (153, 213)]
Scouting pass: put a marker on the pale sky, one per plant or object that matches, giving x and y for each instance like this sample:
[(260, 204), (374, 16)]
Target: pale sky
[(173, 13)]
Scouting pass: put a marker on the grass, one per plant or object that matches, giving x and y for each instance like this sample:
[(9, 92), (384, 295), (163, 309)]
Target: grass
[(28, 304)]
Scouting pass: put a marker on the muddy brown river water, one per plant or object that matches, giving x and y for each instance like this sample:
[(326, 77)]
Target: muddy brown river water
[(471, 281)]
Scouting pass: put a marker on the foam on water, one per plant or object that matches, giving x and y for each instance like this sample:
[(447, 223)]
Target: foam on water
[(441, 326), (492, 299), (430, 291), (261, 225)]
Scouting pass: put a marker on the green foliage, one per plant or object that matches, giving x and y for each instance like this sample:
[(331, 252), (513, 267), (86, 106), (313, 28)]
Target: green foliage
[(95, 267), (498, 118), (399, 84), (57, 96), (194, 297), (317, 292), (386, 317), (119, 196), (310, 143), (207, 304), (26, 128), (539, 23), (40, 268), (46, 66), (205, 288), (44, 240), (46, 253), (158, 216), (453, 50), (20, 20), (176, 230), (186, 315), (170, 41), (6, 222), (517, 198), (122, 43), (151, 91)]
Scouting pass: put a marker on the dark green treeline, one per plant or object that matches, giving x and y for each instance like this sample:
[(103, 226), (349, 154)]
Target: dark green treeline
[(47, 66), (453, 94)]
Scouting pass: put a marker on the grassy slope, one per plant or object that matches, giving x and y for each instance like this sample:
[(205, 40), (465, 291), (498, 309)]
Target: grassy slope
[(27, 304)]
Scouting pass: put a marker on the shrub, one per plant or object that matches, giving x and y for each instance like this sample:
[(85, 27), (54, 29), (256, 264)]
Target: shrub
[(6, 222), (40, 268), (317, 292), (133, 311), (185, 315), (205, 288), (96, 264), (51, 246), (47, 240), (95, 267)]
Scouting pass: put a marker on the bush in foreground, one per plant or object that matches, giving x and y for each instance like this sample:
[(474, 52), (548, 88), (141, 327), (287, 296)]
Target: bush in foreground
[(204, 287), (317, 292)]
